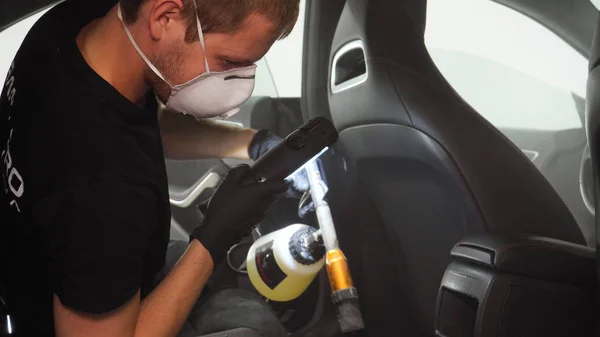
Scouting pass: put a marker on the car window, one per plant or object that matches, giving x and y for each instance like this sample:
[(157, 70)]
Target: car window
[(523, 79), (511, 69), (285, 60), (279, 73)]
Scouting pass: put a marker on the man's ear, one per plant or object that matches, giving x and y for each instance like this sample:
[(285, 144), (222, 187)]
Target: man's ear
[(164, 15)]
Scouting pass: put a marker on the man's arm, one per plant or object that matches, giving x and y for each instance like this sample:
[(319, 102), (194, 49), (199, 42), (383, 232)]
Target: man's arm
[(162, 313), (184, 137), (90, 279)]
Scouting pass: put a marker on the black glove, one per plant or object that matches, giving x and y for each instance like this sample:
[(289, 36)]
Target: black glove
[(265, 140), (234, 210), (261, 143)]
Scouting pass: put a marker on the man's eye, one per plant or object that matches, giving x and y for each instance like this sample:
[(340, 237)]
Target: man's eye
[(229, 63)]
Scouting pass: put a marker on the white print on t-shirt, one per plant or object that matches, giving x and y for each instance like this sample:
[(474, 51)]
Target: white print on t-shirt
[(10, 83), (13, 181)]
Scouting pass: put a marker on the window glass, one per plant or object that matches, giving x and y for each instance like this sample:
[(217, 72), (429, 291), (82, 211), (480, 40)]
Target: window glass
[(511, 69), (264, 85), (285, 60)]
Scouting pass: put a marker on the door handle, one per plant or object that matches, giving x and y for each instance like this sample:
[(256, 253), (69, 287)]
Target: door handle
[(349, 67), (191, 195)]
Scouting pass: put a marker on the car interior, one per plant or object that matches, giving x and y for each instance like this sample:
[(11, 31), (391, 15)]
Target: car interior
[(449, 228)]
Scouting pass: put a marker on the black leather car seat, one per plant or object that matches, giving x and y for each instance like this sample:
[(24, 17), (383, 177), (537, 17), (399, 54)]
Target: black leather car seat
[(422, 168)]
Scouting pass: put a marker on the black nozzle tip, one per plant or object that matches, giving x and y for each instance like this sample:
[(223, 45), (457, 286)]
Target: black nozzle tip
[(348, 310), (350, 317)]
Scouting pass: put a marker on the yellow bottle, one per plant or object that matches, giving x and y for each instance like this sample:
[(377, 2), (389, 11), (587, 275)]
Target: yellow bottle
[(282, 264)]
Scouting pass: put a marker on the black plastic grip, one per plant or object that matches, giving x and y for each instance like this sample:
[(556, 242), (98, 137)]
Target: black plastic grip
[(294, 151)]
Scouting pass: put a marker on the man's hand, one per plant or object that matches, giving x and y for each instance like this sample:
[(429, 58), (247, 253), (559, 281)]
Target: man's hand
[(265, 140), (233, 210)]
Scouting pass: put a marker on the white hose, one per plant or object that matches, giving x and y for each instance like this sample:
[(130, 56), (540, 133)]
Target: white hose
[(318, 189)]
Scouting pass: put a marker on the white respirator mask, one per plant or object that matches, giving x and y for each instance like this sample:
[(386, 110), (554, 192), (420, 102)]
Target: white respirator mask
[(210, 94)]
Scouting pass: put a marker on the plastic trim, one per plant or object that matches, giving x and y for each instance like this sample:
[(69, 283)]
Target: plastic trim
[(211, 180), (336, 88)]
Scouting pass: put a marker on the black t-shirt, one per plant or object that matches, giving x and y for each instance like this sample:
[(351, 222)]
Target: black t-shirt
[(84, 205)]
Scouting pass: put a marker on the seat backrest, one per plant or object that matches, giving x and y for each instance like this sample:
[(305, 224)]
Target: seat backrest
[(427, 163), (592, 113)]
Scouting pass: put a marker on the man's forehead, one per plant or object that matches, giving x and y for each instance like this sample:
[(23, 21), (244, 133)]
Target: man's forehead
[(242, 54), (249, 43)]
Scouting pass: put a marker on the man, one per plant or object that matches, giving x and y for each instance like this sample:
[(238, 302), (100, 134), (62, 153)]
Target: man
[(84, 210)]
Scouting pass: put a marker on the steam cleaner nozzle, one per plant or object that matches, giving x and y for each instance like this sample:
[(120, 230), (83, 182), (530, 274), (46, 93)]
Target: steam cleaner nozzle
[(348, 310), (344, 294)]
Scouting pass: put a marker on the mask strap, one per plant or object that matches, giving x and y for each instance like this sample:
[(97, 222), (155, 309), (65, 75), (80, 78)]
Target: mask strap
[(150, 65), (199, 27)]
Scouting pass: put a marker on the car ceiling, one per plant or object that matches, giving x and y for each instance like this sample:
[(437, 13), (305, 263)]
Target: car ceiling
[(572, 20)]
